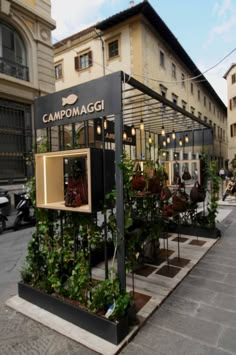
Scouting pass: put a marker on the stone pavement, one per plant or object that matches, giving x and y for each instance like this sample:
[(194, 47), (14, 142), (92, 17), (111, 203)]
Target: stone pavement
[(198, 318)]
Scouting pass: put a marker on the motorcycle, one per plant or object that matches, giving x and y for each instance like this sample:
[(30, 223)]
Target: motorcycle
[(230, 189), (5, 207), (25, 211)]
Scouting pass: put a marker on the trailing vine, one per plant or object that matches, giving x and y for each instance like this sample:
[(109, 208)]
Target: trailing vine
[(212, 207)]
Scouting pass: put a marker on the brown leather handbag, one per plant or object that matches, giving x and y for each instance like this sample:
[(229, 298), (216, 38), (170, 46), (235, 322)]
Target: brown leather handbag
[(138, 181), (168, 211), (186, 175), (165, 193), (179, 201), (197, 194), (154, 183)]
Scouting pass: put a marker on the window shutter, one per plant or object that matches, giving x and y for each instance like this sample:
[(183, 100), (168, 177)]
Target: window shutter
[(230, 104), (90, 57), (77, 64)]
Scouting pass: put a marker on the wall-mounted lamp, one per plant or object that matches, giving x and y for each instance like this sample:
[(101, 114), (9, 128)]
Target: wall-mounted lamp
[(164, 143), (133, 132), (124, 135), (180, 142), (173, 134), (186, 138), (141, 125), (150, 139), (164, 154), (168, 139)]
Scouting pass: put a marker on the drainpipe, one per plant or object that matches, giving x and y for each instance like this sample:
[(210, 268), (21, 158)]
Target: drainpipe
[(103, 50)]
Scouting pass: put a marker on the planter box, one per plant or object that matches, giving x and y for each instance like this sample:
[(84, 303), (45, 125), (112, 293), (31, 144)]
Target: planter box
[(112, 331), (198, 231)]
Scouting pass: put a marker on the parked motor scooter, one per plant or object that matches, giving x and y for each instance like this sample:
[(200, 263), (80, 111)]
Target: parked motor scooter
[(230, 189), (25, 211), (5, 206)]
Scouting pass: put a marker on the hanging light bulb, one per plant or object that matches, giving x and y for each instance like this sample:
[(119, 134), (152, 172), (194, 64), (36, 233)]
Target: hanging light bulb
[(163, 130), (186, 138), (105, 123), (164, 143), (173, 134), (141, 124), (124, 136), (180, 142), (133, 132), (99, 129), (168, 139), (150, 139)]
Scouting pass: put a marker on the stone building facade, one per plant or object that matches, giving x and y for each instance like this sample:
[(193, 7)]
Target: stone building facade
[(26, 72), (230, 76), (138, 42)]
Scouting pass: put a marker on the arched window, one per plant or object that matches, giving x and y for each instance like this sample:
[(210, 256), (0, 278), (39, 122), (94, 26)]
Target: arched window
[(12, 53)]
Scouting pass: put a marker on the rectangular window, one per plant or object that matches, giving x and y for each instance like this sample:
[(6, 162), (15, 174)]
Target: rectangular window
[(163, 93), (83, 61), (162, 59), (58, 71), (113, 49), (199, 95), (183, 79), (233, 77), (191, 88), (233, 130), (234, 101), (205, 101), (173, 70), (209, 106), (192, 110), (163, 90), (15, 140), (214, 129), (175, 99), (199, 115)]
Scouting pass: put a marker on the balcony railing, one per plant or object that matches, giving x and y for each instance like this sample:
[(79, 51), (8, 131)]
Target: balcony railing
[(14, 69)]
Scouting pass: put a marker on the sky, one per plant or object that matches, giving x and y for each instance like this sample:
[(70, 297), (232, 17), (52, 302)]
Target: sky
[(205, 28)]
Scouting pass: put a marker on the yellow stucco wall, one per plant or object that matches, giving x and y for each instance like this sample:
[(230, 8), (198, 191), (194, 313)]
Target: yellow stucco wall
[(140, 46), (231, 88), (30, 2)]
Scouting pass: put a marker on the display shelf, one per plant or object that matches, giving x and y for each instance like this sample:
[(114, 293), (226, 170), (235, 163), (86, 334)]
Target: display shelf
[(51, 178)]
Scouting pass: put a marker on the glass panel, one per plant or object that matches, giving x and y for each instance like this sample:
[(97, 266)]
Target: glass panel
[(113, 49)]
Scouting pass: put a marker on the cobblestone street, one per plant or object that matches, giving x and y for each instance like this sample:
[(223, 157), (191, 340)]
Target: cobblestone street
[(199, 317)]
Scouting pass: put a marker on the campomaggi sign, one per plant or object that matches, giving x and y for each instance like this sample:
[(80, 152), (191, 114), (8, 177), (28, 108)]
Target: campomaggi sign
[(99, 97)]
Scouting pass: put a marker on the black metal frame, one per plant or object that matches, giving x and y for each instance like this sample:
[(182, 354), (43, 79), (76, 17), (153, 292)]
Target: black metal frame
[(126, 102)]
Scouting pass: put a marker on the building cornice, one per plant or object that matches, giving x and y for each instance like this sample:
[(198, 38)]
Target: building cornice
[(230, 68), (30, 11)]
